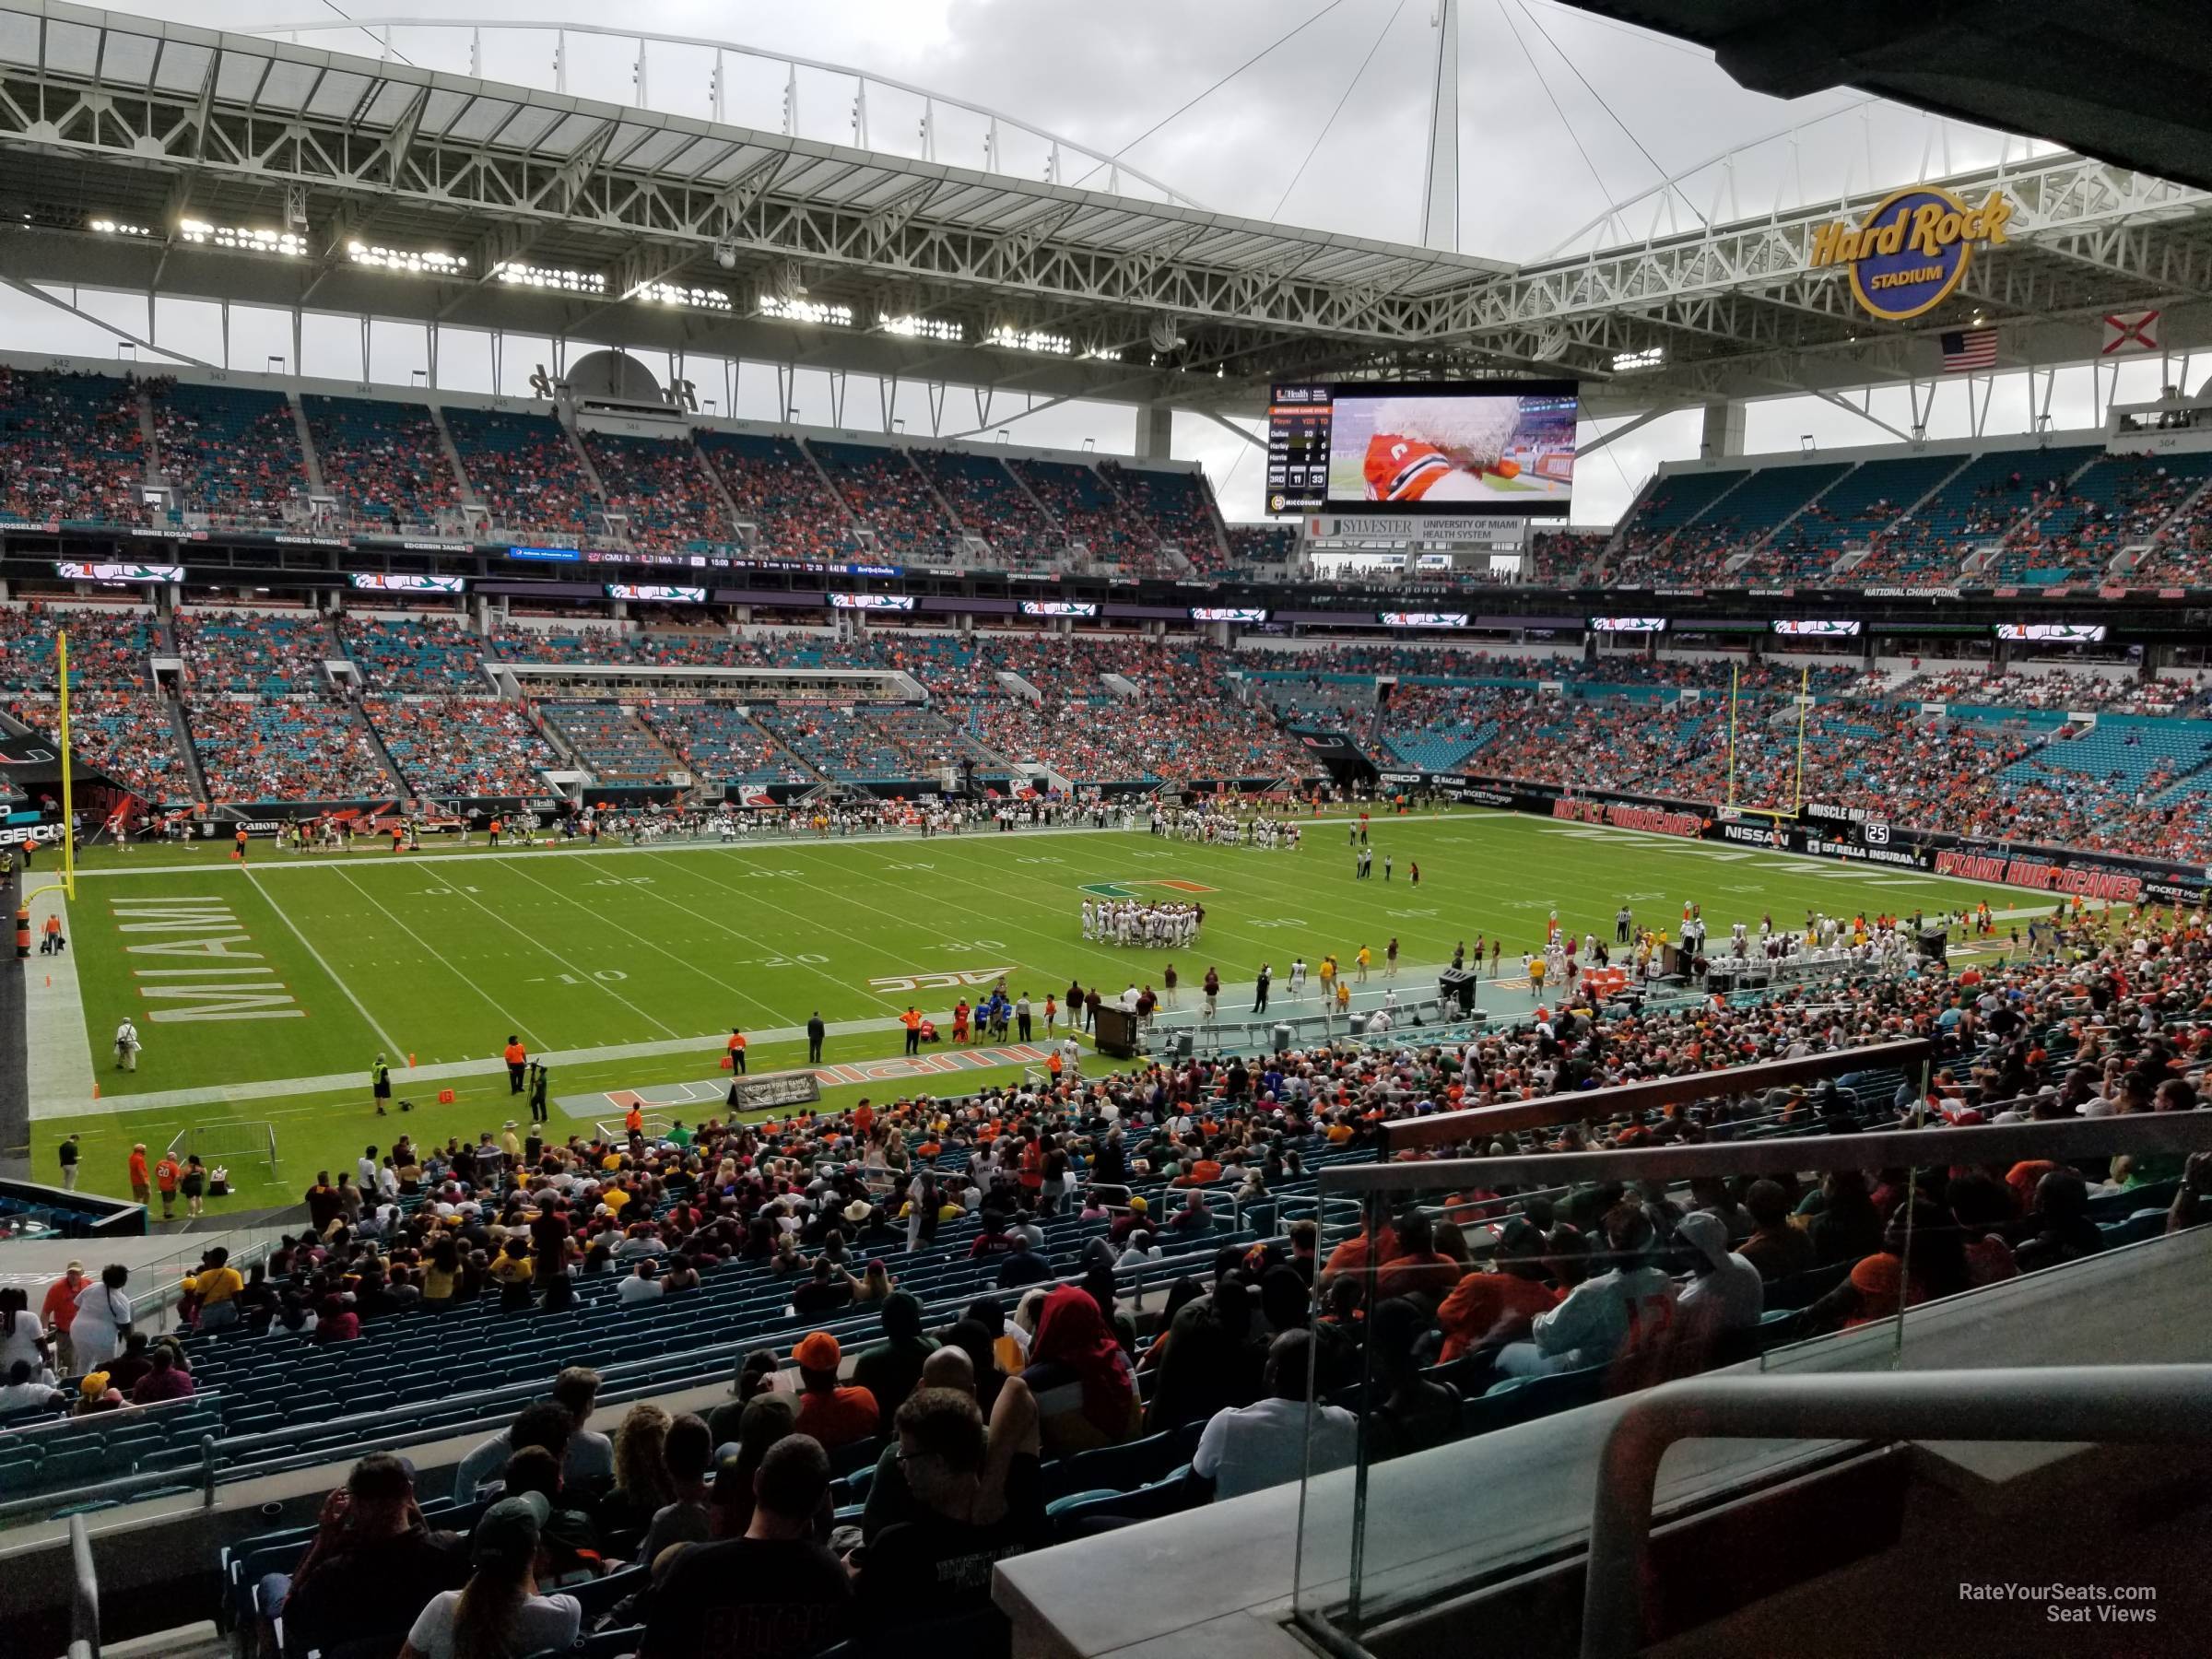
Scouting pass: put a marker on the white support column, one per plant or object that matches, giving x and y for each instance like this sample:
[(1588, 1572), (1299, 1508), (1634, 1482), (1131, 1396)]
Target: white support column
[(1724, 434), (1440, 187), (1155, 432)]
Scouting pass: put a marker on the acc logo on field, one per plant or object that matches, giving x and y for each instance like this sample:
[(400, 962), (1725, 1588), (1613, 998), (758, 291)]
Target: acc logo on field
[(1913, 250)]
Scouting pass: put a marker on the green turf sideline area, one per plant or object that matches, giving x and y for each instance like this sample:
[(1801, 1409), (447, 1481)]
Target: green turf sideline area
[(305, 967)]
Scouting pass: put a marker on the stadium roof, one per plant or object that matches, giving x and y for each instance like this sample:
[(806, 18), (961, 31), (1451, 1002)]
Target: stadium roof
[(229, 167), (2129, 80)]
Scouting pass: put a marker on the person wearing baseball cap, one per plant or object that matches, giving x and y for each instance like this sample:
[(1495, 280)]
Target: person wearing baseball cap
[(833, 1415), (498, 1610)]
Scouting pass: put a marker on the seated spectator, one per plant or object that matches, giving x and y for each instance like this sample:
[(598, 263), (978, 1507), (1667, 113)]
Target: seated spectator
[(1085, 1389), (1776, 1247), (29, 1387), (723, 1600), (832, 1416), (892, 1369), (1603, 1317), (972, 1500), (1723, 1292), (163, 1379), (1215, 1358), (556, 1424), (1415, 1413), (641, 1488), (1514, 1288), (642, 1286), (500, 1610), (570, 1541), (689, 1452), (2062, 1230), (1249, 1448), (1023, 1265), (373, 1566), (829, 1289)]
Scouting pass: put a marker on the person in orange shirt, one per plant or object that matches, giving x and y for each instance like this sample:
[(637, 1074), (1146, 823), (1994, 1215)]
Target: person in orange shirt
[(58, 1310), (51, 944), (736, 1052), (836, 1417), (142, 1184), (863, 1118), (239, 840), (517, 1057), (166, 1173), (633, 1121), (911, 1020), (959, 1021)]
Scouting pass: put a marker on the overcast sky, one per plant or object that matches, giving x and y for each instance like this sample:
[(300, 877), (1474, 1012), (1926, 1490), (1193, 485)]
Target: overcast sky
[(1563, 115)]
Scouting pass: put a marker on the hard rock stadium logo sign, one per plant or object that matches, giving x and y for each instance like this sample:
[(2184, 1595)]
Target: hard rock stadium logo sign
[(1913, 250)]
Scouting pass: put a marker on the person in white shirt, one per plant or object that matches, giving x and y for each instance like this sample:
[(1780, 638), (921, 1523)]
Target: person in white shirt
[(644, 1285), (1605, 1316), (29, 1385), (1724, 1292), (1298, 976), (1249, 1448), (504, 1546)]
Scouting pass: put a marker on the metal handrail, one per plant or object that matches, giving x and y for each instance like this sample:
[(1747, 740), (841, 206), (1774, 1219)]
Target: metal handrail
[(2125, 1404), (635, 1380), (84, 1593)]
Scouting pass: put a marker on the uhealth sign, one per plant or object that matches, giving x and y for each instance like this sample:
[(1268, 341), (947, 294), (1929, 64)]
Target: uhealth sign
[(1913, 250)]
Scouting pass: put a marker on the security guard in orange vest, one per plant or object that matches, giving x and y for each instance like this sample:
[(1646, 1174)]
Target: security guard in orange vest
[(517, 1058), (736, 1052)]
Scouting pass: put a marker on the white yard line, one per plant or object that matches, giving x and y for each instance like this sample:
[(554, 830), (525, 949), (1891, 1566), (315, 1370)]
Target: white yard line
[(59, 1069), (392, 1046), (442, 961)]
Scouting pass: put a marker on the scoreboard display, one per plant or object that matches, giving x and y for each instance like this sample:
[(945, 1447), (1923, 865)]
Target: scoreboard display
[(1373, 447)]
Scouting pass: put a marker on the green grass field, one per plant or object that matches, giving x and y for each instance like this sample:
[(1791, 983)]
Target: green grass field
[(305, 967)]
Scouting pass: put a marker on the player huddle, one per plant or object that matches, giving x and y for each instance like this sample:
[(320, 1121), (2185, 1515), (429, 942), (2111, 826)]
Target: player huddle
[(1227, 830), (1126, 921)]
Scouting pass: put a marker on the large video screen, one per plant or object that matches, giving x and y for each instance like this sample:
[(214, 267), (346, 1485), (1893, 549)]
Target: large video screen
[(1368, 447)]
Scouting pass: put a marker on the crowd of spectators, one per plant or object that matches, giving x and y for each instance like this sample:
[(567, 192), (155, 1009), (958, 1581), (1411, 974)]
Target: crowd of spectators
[(722, 744), (230, 452), (127, 736), (525, 469), (1087, 510), (885, 491), (415, 653), (270, 653), (777, 490), (852, 744), (71, 448), (284, 748), (991, 503), (461, 746), (673, 505), (1180, 508), (382, 461), (611, 739), (677, 1526), (108, 646)]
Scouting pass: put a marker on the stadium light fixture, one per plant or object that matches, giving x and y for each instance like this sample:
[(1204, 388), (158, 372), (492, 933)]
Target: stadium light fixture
[(683, 294), (105, 227), (287, 244), (520, 275), (807, 311), (1033, 339), (429, 261), (1627, 362), (921, 329)]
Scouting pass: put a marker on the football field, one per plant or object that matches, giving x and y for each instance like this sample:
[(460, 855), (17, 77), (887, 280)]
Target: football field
[(263, 991)]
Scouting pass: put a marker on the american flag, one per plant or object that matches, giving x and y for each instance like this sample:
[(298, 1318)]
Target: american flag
[(1967, 349)]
